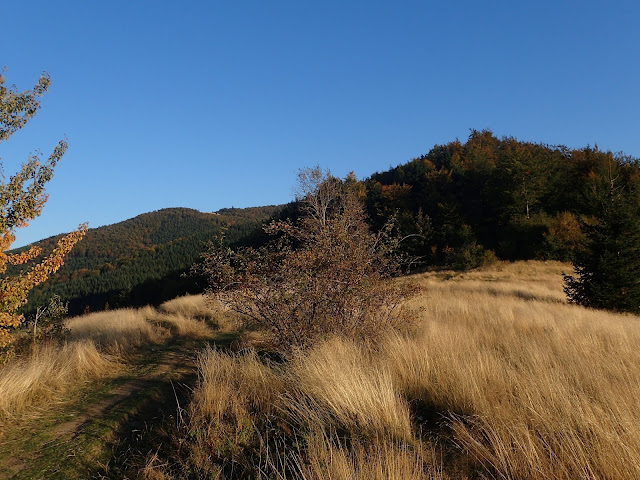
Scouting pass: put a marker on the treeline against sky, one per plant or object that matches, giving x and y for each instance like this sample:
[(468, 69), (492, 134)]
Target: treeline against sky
[(141, 260), (462, 204)]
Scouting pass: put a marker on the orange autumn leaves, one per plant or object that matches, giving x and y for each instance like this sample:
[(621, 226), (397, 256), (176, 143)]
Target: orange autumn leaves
[(21, 200), (14, 290)]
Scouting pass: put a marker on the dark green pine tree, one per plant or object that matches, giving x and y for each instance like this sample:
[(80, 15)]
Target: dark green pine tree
[(608, 271)]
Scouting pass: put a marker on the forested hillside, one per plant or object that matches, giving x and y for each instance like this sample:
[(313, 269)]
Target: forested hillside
[(461, 203), (141, 260)]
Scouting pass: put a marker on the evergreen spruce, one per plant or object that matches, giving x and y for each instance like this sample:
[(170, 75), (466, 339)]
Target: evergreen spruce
[(608, 271)]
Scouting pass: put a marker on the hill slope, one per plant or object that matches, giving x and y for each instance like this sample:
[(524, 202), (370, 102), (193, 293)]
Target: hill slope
[(520, 200), (141, 260)]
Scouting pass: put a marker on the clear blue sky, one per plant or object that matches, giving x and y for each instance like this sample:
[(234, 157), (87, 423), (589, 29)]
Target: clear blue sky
[(210, 104)]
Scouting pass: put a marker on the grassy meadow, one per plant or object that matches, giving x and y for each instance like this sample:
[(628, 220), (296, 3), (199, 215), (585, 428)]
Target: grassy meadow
[(499, 378), (98, 346)]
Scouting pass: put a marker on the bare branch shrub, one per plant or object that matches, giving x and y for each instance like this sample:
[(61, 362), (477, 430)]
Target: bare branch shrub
[(323, 274)]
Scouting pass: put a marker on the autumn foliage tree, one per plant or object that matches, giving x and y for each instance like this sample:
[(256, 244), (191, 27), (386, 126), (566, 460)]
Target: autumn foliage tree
[(323, 274), (22, 198)]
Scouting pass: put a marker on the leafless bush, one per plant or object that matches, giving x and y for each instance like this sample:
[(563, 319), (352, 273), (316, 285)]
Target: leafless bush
[(323, 273)]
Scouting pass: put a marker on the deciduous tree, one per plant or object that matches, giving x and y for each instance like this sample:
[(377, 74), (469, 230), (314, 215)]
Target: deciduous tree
[(21, 200)]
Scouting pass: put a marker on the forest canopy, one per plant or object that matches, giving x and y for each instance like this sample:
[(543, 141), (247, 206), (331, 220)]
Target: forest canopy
[(461, 203)]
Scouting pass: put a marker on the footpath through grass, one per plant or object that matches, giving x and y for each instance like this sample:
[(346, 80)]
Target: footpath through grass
[(107, 425)]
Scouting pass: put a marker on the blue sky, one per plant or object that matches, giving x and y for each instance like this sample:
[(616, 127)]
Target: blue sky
[(207, 104)]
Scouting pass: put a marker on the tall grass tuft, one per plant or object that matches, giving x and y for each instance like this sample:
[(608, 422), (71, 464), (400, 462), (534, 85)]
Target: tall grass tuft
[(339, 379), (231, 389), (198, 308), (194, 306), (50, 370), (117, 331), (328, 458)]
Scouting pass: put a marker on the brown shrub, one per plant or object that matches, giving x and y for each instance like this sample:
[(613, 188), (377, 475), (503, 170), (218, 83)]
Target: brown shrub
[(323, 274)]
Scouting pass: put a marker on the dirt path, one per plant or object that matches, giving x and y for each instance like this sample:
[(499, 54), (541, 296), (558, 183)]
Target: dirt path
[(111, 427), (146, 428), (173, 366)]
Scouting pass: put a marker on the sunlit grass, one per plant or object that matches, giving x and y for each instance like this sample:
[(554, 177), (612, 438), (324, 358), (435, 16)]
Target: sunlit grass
[(97, 346), (190, 308), (533, 387), (117, 331), (48, 372), (501, 378)]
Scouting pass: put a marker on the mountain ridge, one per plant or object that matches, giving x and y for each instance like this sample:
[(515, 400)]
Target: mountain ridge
[(141, 258)]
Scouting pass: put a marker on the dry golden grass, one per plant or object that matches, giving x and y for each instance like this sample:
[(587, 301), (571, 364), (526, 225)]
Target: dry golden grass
[(535, 388), (93, 350), (230, 390), (530, 280), (195, 306), (355, 394), (97, 344), (256, 415), (235, 383), (328, 459), (185, 326), (153, 469), (49, 371), (504, 379), (117, 331), (198, 307)]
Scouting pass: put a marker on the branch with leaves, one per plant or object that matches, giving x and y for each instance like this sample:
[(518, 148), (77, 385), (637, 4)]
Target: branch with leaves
[(21, 200)]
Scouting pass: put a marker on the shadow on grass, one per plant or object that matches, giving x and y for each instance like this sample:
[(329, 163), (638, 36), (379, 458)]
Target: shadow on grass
[(153, 417), (111, 424)]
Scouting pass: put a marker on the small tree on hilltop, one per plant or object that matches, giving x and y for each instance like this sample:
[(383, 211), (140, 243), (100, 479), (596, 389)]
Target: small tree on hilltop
[(608, 271), (48, 321), (324, 273), (21, 200)]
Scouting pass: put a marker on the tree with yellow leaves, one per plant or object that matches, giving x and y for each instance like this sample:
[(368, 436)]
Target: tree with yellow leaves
[(21, 200)]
